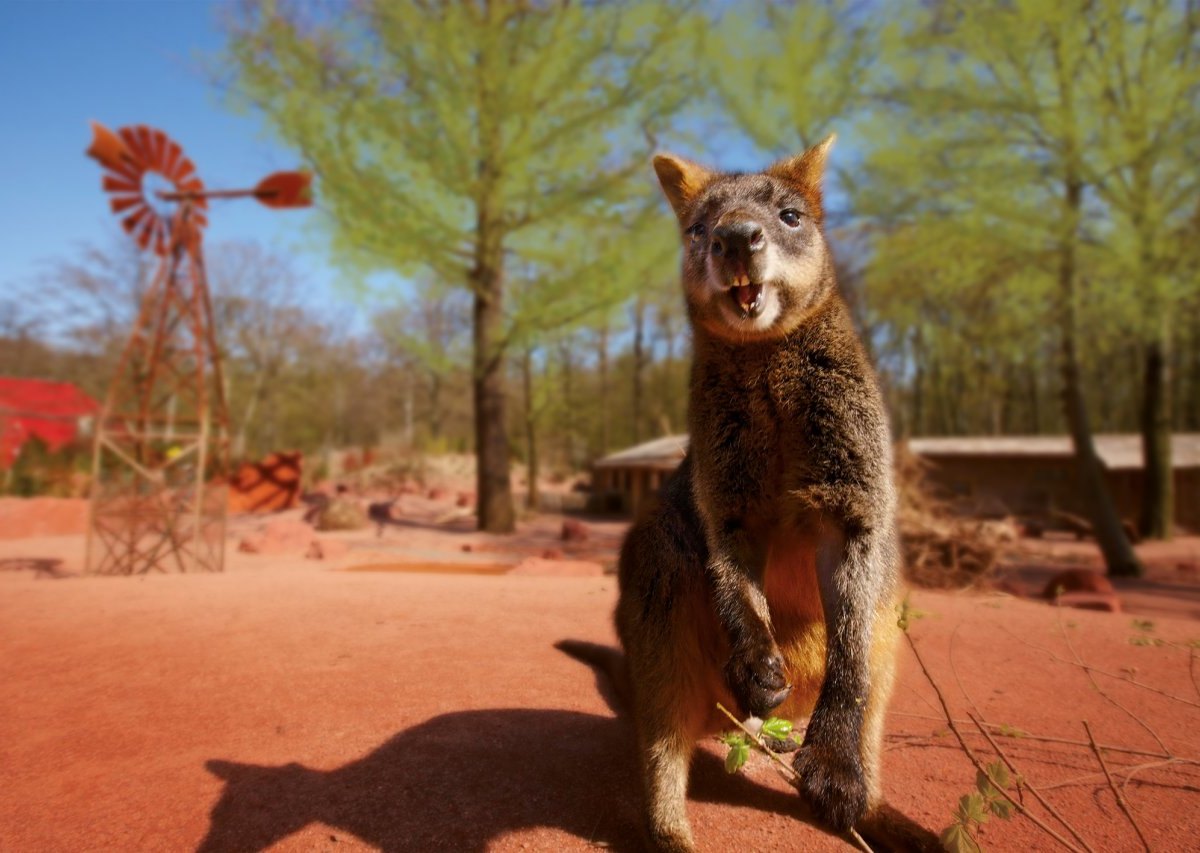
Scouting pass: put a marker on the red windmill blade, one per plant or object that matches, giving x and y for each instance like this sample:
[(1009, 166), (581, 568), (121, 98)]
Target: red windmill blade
[(128, 155), (132, 152)]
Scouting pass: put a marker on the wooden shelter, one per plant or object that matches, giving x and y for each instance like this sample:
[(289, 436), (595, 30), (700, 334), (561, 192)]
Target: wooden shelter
[(993, 474)]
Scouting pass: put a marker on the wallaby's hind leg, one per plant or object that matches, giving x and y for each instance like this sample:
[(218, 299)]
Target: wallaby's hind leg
[(669, 714), (666, 757)]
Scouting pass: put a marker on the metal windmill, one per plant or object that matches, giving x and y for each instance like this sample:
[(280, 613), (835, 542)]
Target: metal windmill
[(158, 494)]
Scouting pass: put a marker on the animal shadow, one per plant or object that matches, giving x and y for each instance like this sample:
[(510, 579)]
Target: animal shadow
[(462, 780)]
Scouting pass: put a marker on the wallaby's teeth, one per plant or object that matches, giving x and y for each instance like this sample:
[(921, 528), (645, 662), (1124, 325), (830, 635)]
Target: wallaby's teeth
[(747, 296)]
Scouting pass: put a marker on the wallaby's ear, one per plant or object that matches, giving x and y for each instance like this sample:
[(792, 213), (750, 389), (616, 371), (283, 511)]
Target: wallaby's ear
[(806, 171), (682, 180)]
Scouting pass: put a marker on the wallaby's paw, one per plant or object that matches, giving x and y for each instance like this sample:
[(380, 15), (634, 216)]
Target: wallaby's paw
[(832, 782), (676, 839), (756, 677)]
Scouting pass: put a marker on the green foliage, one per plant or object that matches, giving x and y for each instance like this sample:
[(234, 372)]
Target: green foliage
[(1146, 626), (1143, 640), (906, 613), (777, 728), (462, 133), (956, 839), (789, 74), (739, 745), (976, 808), (985, 113)]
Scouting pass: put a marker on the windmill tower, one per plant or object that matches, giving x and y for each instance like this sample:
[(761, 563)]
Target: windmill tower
[(161, 455)]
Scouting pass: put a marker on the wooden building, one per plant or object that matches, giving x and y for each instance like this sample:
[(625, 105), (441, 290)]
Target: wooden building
[(628, 481), (1033, 474), (1013, 474)]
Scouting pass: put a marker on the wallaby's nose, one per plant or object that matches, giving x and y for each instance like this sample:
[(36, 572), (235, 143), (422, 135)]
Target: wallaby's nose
[(738, 239)]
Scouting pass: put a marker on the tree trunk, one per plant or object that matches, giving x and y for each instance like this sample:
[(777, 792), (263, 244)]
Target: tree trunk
[(492, 480), (566, 375), (639, 365), (492, 476), (1158, 511), (1106, 524), (436, 416), (408, 410), (531, 446), (604, 418)]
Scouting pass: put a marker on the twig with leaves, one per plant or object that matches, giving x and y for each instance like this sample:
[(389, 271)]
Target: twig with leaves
[(983, 771), (739, 751)]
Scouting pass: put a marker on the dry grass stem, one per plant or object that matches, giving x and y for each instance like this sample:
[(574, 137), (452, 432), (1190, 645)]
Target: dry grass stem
[(1113, 785)]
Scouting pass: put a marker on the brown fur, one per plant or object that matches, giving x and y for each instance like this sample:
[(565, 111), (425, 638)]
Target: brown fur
[(777, 531)]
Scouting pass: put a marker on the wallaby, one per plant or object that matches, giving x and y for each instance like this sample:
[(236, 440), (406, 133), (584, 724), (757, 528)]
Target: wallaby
[(768, 576)]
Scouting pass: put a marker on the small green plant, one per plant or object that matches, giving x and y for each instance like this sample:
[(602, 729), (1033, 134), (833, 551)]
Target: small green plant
[(906, 613), (1143, 640), (976, 808), (1143, 625), (740, 743), (739, 750), (1011, 731)]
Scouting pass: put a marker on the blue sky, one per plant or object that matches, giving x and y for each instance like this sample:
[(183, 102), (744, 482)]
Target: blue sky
[(65, 62)]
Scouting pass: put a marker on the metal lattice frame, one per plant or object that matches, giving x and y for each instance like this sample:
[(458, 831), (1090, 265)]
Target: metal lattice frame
[(162, 444), (161, 459)]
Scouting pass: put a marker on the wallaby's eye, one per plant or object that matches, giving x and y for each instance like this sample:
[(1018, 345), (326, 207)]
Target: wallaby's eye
[(697, 231), (790, 217)]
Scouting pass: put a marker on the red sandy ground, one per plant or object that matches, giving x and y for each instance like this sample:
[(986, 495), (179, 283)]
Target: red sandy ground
[(283, 705)]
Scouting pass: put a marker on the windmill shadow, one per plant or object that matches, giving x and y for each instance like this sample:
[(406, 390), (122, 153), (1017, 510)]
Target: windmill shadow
[(462, 780)]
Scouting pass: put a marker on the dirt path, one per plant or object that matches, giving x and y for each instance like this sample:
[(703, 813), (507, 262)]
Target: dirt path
[(290, 709)]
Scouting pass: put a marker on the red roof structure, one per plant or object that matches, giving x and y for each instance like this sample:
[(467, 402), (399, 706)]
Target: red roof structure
[(34, 408)]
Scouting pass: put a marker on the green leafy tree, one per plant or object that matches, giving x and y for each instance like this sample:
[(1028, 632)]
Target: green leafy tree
[(497, 147), (1144, 62), (1000, 116)]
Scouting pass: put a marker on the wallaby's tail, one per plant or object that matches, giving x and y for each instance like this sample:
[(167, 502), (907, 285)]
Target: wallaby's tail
[(607, 661)]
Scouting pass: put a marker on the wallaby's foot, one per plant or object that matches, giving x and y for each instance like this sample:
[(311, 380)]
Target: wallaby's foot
[(831, 779), (756, 677), (670, 840)]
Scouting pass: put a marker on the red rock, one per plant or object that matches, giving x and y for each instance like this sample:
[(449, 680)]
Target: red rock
[(465, 499), (1188, 568), (267, 486), (327, 549), (467, 547), (1078, 580), (552, 554), (278, 537), (438, 494), (574, 530), (1103, 601), (1009, 586)]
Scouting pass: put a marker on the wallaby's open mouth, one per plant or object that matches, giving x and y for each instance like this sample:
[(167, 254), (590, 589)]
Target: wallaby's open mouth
[(748, 298)]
